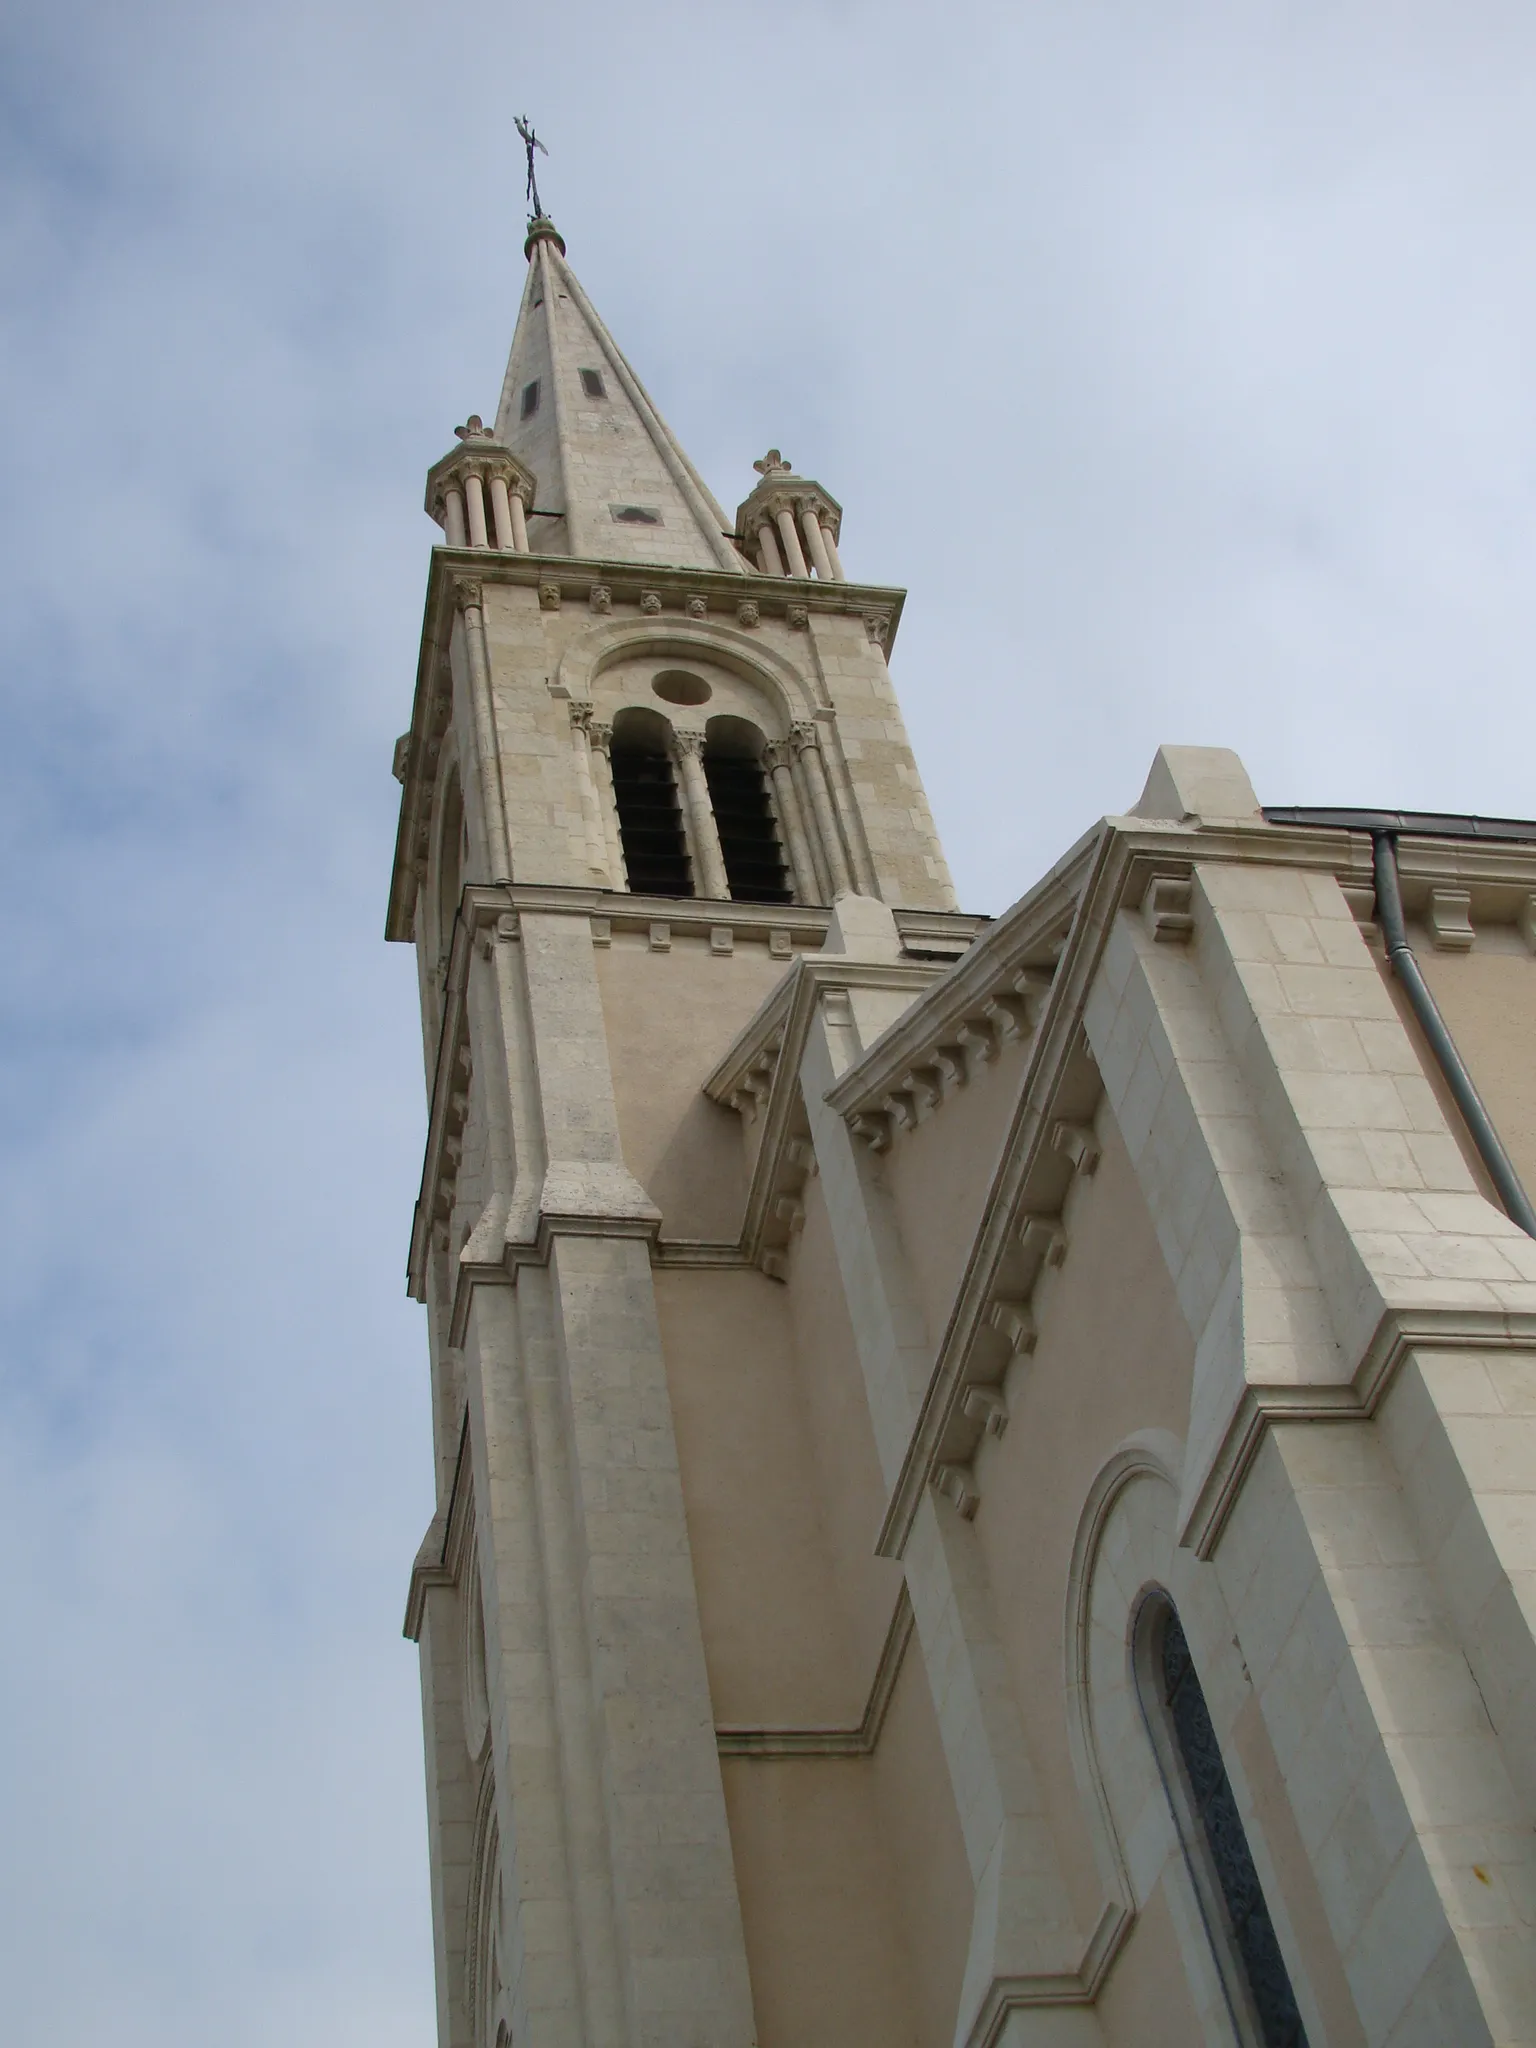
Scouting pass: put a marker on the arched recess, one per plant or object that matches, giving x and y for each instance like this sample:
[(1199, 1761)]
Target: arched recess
[(746, 816), (791, 696), (650, 815), (1127, 1569)]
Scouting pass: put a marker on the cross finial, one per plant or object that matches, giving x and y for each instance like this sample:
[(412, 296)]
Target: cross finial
[(473, 429), (772, 464), (531, 142)]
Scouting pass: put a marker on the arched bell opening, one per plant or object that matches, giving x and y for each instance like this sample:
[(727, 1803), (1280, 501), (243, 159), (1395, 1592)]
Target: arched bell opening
[(651, 833), (744, 813)]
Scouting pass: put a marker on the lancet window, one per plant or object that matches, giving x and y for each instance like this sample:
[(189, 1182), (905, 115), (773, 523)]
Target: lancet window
[(738, 794), (711, 809), (645, 796), (1213, 1831)]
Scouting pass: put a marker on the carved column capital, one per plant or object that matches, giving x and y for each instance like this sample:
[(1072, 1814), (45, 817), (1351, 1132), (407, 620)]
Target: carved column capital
[(581, 717), (688, 741), (467, 594), (600, 733), (778, 754), (803, 734)]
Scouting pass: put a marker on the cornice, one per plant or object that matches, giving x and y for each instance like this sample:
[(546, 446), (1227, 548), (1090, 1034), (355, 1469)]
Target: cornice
[(629, 581)]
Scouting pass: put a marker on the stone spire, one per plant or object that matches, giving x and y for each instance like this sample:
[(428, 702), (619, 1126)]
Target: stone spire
[(613, 482)]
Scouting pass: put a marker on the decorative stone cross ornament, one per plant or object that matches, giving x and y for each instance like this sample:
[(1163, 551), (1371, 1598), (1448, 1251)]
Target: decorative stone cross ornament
[(773, 464), (474, 429), (531, 143)]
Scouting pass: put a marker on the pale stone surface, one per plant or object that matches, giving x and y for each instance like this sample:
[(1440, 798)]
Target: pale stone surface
[(859, 1410), (1198, 782)]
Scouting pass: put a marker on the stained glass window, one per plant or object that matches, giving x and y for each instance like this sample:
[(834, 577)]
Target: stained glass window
[(1253, 1932)]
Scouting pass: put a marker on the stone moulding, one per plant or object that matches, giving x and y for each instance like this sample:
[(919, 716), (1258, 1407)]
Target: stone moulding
[(1160, 1455), (440, 1560), (1008, 1995), (781, 1743), (1398, 1333)]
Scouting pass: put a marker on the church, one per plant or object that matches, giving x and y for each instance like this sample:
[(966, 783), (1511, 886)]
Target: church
[(986, 1468)]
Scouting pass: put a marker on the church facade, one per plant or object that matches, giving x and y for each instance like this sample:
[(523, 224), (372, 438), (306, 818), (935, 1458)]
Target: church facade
[(986, 1469)]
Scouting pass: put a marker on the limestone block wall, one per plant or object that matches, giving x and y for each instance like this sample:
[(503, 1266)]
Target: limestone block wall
[(685, 1150), (526, 661), (906, 862)]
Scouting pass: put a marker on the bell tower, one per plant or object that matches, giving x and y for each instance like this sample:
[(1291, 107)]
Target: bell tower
[(654, 760)]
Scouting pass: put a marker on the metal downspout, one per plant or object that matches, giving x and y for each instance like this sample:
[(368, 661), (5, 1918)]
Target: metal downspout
[(1389, 912)]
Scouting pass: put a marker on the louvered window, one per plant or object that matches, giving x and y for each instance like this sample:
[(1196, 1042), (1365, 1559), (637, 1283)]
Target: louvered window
[(650, 821), (749, 839), (1215, 1810)]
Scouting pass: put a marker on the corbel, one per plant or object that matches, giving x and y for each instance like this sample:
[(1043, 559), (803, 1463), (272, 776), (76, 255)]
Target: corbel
[(1450, 920), (1043, 1241), (1009, 1017), (1015, 1324), (1077, 1143), (900, 1108), (976, 1036), (871, 1127), (949, 1064), (925, 1085), (986, 1406), (1167, 909), (956, 1484)]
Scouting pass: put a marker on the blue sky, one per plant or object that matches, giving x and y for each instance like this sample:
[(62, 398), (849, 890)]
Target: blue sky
[(1178, 360)]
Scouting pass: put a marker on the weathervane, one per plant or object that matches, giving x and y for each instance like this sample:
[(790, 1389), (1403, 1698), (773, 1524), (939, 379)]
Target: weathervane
[(531, 142)]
